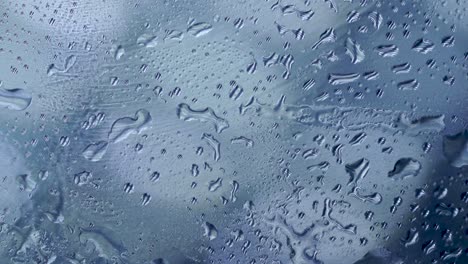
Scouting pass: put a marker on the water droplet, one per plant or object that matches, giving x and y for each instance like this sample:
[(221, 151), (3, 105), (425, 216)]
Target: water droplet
[(124, 127), (374, 198), (252, 67), (94, 152), (174, 35), (327, 36), (376, 19), (82, 178), (390, 50), (243, 140), (210, 231), (214, 144), (215, 184), (119, 52), (342, 78), (401, 68), (69, 62), (423, 46), (15, 99), (411, 85), (148, 41), (420, 125), (184, 112), (199, 29), (354, 51), (195, 170), (448, 41), (357, 170), (128, 187), (145, 199), (405, 168)]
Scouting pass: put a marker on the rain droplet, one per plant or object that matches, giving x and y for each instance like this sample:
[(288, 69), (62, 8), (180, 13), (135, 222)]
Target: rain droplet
[(210, 231), (342, 78), (199, 29), (95, 152), (123, 127), (184, 112), (327, 36), (405, 168), (15, 99), (214, 144), (354, 51), (423, 46)]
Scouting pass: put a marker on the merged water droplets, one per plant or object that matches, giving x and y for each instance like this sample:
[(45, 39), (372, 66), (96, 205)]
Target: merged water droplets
[(69, 63), (148, 41), (82, 178), (198, 29), (354, 51), (120, 130), (357, 170), (328, 36), (243, 140), (420, 125), (186, 113), (94, 152), (374, 198), (401, 68), (174, 35), (343, 78), (214, 144), (423, 46), (389, 50), (405, 168), (376, 19), (125, 126), (448, 41), (411, 85), (119, 52)]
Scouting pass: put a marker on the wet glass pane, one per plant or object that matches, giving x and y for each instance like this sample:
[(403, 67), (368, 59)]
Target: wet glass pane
[(240, 131)]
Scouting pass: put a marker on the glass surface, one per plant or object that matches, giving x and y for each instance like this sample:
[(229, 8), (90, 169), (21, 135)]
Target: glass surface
[(240, 131)]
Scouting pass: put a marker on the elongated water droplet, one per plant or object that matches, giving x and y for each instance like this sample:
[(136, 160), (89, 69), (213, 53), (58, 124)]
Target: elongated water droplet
[(95, 152), (411, 85), (148, 41), (210, 231), (342, 78), (390, 50), (214, 144), (405, 168), (423, 46), (354, 51), (357, 170), (327, 36), (199, 29), (123, 127), (184, 112)]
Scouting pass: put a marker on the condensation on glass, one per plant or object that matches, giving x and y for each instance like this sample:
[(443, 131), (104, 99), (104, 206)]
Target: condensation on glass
[(240, 131)]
